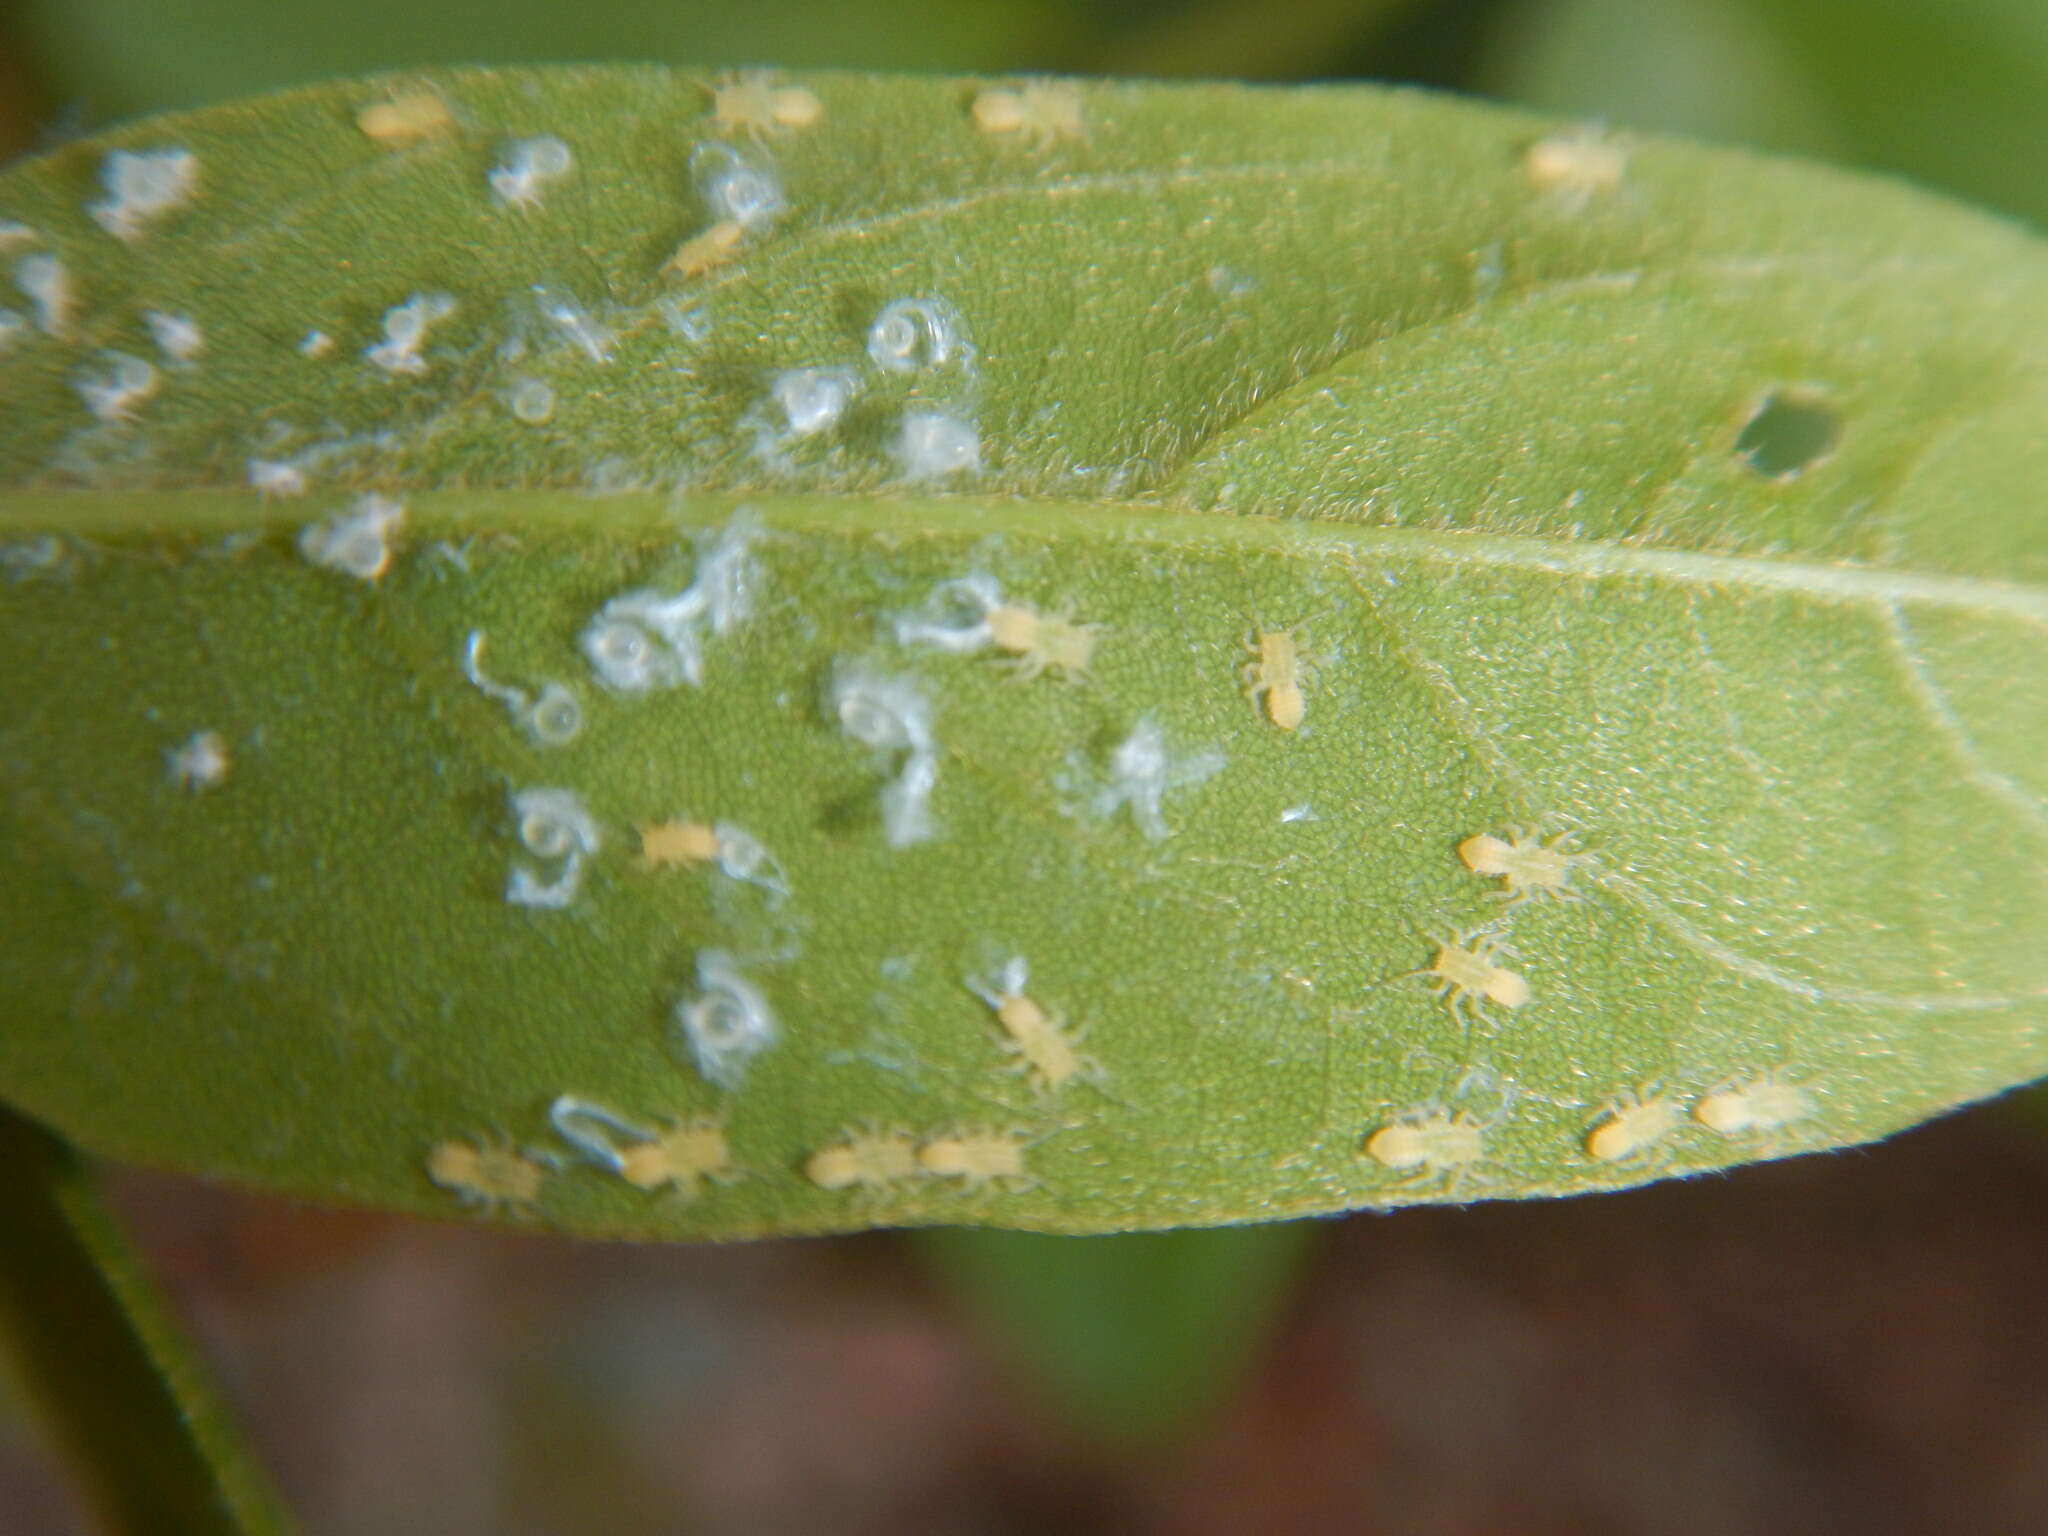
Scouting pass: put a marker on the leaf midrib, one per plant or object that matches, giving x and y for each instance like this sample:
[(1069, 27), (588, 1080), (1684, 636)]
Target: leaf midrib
[(654, 519)]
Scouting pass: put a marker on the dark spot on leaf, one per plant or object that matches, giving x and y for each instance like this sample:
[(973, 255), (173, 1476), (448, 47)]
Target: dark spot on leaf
[(1789, 432)]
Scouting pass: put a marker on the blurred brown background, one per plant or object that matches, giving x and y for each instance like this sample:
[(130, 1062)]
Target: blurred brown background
[(1841, 1343)]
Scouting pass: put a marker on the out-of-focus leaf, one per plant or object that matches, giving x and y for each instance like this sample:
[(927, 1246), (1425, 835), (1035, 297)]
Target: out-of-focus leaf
[(1709, 68), (1954, 96), (1130, 1338), (116, 58), (1244, 40), (1953, 93)]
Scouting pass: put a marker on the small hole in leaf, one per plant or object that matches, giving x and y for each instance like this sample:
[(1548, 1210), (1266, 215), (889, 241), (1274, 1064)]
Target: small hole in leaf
[(1790, 432)]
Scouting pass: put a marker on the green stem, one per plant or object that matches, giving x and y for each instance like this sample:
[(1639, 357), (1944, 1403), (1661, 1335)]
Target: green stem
[(101, 1361), (1131, 1339)]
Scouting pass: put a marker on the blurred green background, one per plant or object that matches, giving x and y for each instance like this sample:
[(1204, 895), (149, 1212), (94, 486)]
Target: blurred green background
[(1842, 1343), (1951, 93)]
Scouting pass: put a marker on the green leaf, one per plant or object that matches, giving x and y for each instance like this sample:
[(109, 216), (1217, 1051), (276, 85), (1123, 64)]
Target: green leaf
[(1681, 499), (1947, 92), (1713, 69), (100, 1357)]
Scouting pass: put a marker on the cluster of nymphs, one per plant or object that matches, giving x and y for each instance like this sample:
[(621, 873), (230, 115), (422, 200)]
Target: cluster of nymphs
[(678, 1157), (1431, 1143), (654, 638), (683, 1155), (725, 1024), (558, 830), (1467, 972)]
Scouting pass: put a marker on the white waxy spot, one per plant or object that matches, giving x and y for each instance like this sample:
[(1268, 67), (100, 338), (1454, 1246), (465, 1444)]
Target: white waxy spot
[(198, 763), (617, 478), (142, 188), (910, 335), (32, 558), (1142, 772), (315, 344), (1296, 814), (735, 188), (574, 324), (589, 1129), (13, 326), (744, 857), (1226, 284), (729, 578), (812, 399), (888, 713), (530, 165), (907, 800), (891, 715), (692, 322), (552, 719), (556, 829), (932, 444), (46, 283), (113, 396), (727, 1024), (645, 639), (405, 330), (531, 401), (956, 617), (14, 234), (801, 403), (512, 698), (178, 336), (556, 717), (356, 542), (277, 478)]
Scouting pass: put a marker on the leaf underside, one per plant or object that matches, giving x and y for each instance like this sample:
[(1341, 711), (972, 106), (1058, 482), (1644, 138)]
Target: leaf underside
[(1676, 501)]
